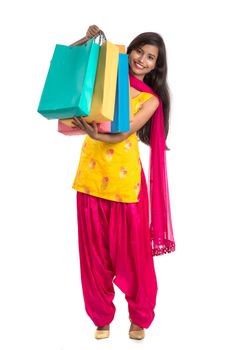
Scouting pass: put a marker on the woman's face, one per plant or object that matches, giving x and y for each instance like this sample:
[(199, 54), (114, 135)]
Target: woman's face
[(142, 60)]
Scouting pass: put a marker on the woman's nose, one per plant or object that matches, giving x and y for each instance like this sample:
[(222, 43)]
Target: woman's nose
[(141, 59)]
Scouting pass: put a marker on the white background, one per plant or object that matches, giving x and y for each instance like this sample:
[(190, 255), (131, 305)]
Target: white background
[(41, 302)]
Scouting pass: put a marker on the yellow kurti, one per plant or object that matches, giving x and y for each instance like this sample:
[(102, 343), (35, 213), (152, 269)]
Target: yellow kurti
[(111, 170)]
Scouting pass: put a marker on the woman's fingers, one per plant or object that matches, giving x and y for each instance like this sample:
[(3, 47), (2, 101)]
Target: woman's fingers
[(95, 126), (76, 122), (90, 129), (86, 125), (96, 27), (81, 123), (92, 31)]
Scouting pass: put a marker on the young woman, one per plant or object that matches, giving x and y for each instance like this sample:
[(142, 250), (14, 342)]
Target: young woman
[(116, 242)]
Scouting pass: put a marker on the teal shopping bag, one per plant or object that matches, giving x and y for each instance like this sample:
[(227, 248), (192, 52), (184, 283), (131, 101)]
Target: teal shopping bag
[(121, 122), (69, 84)]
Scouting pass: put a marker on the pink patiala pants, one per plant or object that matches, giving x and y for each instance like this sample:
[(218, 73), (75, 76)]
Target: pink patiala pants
[(114, 247)]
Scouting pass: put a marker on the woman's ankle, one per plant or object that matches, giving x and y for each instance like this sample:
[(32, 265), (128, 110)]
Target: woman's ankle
[(135, 327), (104, 327)]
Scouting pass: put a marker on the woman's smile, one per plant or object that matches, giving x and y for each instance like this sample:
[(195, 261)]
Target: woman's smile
[(138, 65)]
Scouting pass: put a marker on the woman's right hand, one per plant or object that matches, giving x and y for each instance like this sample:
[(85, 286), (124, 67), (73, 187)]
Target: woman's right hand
[(92, 31)]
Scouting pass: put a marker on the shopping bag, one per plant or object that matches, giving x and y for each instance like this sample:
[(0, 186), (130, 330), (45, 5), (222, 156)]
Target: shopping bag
[(103, 100), (123, 108), (121, 122), (66, 127), (122, 48), (70, 80), (130, 105)]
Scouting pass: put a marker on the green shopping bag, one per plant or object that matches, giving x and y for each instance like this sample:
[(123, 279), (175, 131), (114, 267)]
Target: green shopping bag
[(69, 84)]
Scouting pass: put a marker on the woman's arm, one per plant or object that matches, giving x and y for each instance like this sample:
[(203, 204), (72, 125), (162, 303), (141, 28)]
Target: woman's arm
[(91, 32), (110, 138), (92, 131), (140, 118), (81, 41)]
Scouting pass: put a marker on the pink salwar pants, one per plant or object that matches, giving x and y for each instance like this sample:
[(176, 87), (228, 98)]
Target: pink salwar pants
[(114, 247)]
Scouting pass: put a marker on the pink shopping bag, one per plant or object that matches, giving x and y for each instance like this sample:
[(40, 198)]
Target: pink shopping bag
[(66, 127)]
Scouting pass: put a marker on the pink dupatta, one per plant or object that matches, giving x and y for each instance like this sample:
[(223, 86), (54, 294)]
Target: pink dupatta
[(161, 232)]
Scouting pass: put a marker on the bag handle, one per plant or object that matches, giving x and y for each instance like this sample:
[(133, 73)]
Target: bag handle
[(84, 40), (101, 36)]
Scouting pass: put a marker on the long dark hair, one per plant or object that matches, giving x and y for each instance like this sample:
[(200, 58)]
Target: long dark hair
[(156, 79)]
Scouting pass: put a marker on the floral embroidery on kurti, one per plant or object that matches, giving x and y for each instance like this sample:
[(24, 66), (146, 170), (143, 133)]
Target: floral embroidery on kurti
[(127, 145), (92, 164), (105, 182), (109, 154), (111, 171), (122, 172)]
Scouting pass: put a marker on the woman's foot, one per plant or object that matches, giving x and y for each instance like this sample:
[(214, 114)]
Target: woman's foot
[(136, 332), (102, 332)]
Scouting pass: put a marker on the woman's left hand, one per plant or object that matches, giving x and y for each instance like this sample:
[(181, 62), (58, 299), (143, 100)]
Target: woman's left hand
[(90, 129)]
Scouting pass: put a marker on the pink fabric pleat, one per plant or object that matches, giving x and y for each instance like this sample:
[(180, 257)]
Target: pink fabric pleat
[(114, 247)]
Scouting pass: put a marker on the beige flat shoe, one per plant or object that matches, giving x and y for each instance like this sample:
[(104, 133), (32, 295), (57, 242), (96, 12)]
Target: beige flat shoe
[(136, 334), (102, 333)]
